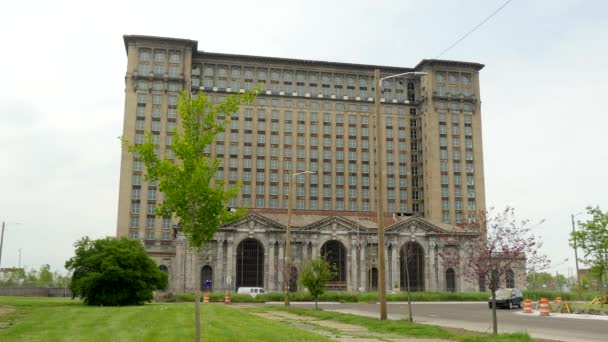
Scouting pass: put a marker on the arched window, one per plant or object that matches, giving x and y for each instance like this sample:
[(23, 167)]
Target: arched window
[(335, 254), (250, 264), (412, 264), (372, 279), (206, 278), (163, 268), (293, 279), (450, 280), (510, 279)]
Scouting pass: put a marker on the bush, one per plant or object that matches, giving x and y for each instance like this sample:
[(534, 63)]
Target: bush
[(113, 272)]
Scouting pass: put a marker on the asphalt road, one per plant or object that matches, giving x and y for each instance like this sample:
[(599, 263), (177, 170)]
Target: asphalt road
[(476, 316)]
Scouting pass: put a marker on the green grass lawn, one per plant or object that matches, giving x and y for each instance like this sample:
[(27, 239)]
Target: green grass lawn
[(402, 327), (50, 319)]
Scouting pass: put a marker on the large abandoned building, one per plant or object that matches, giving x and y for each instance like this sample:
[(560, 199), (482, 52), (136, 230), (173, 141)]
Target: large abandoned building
[(311, 116)]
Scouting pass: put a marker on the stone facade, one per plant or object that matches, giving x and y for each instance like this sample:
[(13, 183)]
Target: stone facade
[(309, 234)]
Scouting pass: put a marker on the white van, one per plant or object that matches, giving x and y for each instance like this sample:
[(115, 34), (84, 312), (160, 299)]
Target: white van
[(252, 291)]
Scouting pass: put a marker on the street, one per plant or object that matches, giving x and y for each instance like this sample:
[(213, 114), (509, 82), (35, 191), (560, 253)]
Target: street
[(476, 316)]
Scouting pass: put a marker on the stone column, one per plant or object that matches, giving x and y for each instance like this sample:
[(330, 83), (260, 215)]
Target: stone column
[(304, 252), (428, 269), (230, 263), (387, 281), (363, 267), (220, 280), (281, 266), (271, 286), (352, 283), (396, 273), (315, 250)]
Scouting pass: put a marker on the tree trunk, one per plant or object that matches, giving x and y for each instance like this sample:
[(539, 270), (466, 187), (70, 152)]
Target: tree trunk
[(494, 320), (197, 298), (316, 304)]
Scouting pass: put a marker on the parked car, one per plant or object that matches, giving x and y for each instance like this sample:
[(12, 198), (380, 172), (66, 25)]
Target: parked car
[(252, 291), (507, 298)]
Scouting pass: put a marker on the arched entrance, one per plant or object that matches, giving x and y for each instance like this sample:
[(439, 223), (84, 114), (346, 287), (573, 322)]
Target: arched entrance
[(206, 278), (334, 253), (412, 256), (293, 279), (372, 279), (450, 280), (250, 264)]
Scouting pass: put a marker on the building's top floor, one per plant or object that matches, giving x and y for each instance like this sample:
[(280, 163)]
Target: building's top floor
[(178, 43)]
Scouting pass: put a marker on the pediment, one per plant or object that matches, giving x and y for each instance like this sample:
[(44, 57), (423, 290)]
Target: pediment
[(255, 221), (332, 224), (415, 226)]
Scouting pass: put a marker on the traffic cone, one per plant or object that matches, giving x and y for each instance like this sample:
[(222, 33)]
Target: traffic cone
[(227, 298), (527, 306), (544, 307), (206, 298)]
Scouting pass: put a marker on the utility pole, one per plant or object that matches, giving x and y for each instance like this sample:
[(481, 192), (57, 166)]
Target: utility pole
[(380, 169), (1, 242), (578, 279)]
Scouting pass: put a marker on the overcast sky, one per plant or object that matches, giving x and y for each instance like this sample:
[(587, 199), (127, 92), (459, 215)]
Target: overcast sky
[(62, 97)]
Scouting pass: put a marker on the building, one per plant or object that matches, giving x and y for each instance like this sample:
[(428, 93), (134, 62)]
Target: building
[(315, 116)]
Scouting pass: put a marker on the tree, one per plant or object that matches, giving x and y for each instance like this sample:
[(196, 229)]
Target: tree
[(315, 274), (113, 272), (45, 275), (409, 250), (491, 249), (191, 191), (592, 238)]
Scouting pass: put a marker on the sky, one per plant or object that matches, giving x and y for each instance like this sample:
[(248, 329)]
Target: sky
[(62, 98)]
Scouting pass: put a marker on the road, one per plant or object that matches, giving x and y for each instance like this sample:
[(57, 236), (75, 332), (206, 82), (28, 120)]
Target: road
[(476, 316)]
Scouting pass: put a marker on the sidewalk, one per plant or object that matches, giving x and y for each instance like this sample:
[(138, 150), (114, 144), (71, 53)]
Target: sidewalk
[(336, 330)]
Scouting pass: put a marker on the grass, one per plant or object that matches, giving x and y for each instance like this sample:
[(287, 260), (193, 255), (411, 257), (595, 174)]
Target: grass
[(50, 319), (401, 327), (364, 297)]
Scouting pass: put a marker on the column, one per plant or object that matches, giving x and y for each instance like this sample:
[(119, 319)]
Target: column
[(272, 271), (229, 265), (304, 253), (429, 283), (315, 250), (281, 267), (363, 267), (220, 279), (396, 274), (353, 269), (387, 281)]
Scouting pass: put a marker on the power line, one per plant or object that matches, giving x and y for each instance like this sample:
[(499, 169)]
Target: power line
[(475, 28)]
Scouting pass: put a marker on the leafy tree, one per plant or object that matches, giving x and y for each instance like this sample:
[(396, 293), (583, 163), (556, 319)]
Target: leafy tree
[(315, 274), (191, 192), (113, 271), (45, 275), (498, 244), (592, 238)]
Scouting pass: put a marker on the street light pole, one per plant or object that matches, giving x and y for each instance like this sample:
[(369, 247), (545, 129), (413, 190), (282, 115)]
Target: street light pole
[(286, 262), (380, 170), (578, 279), (1, 242)]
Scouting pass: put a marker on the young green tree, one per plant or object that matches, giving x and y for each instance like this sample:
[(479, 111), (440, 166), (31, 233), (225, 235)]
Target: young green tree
[(113, 272), (191, 192), (315, 274), (592, 238), (45, 275)]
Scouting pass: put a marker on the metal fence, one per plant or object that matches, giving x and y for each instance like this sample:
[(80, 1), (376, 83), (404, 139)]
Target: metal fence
[(34, 291)]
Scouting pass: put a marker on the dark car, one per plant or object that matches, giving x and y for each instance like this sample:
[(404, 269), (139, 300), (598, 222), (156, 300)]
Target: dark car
[(507, 298)]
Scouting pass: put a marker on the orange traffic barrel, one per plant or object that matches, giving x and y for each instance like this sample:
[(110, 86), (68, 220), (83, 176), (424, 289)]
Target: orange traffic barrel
[(227, 298), (206, 298), (544, 307), (527, 306), (558, 300)]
